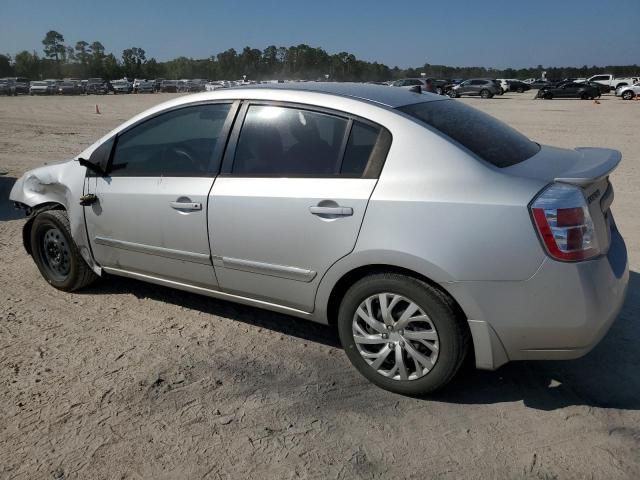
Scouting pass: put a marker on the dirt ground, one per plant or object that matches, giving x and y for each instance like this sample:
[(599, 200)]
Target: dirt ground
[(126, 380)]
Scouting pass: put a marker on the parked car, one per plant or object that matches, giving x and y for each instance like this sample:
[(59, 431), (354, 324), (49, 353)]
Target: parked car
[(437, 86), (136, 83), (42, 87), (569, 90), (146, 86), (476, 86), (97, 86), (517, 86), (15, 85), (539, 83), (393, 236), (610, 82), (504, 83), (169, 86), (70, 87), (121, 86), (601, 88), (628, 92), (211, 86)]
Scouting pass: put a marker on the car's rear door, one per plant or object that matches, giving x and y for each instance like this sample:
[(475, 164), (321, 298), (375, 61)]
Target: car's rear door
[(150, 216), (290, 199)]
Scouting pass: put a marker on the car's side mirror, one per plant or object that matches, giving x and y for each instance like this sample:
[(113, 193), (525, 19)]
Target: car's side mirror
[(98, 162)]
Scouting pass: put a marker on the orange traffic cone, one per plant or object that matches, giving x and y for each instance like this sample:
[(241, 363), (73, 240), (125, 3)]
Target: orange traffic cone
[(97, 110)]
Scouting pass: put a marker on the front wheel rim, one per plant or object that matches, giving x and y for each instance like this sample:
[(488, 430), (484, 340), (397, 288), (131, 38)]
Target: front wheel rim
[(395, 337), (55, 254)]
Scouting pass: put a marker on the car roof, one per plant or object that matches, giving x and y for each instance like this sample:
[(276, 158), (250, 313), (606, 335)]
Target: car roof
[(379, 94)]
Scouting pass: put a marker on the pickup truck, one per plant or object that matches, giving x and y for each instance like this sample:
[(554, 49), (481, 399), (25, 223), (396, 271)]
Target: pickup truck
[(611, 81)]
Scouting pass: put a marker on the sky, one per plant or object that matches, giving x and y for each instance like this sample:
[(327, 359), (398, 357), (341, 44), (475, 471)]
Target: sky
[(486, 33)]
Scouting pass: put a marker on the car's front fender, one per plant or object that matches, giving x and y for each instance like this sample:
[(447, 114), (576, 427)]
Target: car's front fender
[(53, 186)]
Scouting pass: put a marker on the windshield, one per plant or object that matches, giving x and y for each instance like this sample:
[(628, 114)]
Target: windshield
[(487, 137)]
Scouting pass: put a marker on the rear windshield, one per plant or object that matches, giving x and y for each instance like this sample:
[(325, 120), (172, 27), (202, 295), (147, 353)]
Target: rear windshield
[(487, 137)]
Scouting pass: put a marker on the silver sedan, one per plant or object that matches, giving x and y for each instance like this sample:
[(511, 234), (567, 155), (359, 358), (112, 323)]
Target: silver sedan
[(423, 229)]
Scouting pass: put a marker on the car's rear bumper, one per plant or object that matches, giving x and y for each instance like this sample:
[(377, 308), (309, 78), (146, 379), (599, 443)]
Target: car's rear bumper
[(561, 312)]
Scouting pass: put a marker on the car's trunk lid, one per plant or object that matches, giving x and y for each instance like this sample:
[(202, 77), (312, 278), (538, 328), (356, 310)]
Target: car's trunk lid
[(588, 168)]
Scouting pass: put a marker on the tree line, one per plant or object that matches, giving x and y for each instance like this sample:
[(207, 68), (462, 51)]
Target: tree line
[(303, 62)]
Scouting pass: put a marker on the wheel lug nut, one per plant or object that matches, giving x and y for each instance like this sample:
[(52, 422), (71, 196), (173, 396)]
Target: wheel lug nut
[(389, 327), (385, 335), (401, 343), (401, 332), (390, 344)]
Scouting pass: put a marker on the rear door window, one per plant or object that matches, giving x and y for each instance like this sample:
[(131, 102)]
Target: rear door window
[(362, 140), (286, 141), (289, 142), (485, 136)]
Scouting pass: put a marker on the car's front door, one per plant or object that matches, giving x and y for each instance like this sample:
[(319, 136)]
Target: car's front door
[(290, 199), (465, 87), (476, 87), (568, 90), (150, 216)]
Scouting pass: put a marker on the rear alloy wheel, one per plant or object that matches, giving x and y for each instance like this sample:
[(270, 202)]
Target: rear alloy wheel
[(520, 90), (453, 94), (486, 93), (628, 95), (402, 334), (56, 254)]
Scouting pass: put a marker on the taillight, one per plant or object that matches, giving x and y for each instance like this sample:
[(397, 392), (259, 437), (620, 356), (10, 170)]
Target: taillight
[(561, 216)]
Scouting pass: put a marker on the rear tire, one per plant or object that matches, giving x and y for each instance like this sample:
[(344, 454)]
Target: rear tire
[(485, 94), (453, 94), (56, 254), (628, 95), (402, 371)]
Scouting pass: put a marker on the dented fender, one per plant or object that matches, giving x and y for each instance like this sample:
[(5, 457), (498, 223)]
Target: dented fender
[(51, 186)]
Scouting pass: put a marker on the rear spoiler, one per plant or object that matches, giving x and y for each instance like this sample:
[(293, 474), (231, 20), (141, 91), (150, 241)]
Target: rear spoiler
[(595, 164)]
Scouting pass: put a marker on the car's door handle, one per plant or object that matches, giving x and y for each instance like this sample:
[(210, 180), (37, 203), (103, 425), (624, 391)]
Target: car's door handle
[(186, 205), (334, 211)]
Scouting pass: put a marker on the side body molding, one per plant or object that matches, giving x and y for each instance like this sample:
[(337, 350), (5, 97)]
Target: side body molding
[(282, 271), (153, 250)]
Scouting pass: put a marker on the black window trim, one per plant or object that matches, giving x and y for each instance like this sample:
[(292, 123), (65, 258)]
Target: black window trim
[(215, 163), (371, 171)]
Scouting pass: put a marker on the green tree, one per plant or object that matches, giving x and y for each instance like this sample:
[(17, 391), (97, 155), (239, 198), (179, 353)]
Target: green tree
[(132, 61), (54, 45), (96, 61), (228, 64), (6, 68), (111, 67), (27, 65), (83, 52)]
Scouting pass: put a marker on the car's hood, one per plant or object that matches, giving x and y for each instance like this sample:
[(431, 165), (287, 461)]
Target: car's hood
[(581, 166)]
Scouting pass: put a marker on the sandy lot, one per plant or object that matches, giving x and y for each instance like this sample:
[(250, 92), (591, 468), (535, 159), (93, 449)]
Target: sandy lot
[(127, 380)]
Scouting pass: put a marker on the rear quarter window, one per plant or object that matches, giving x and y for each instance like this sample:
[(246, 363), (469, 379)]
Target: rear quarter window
[(487, 137)]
